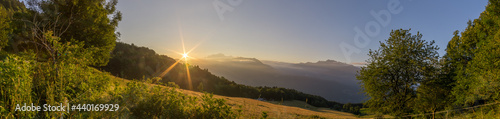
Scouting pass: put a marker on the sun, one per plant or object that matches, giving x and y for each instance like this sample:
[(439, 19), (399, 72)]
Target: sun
[(185, 56)]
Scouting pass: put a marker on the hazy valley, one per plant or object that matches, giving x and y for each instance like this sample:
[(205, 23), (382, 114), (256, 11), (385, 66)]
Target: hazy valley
[(330, 79)]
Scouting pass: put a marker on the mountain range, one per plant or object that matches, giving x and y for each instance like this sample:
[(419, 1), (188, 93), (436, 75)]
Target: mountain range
[(330, 79)]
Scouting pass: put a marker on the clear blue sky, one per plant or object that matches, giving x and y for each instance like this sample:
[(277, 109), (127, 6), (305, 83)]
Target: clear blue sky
[(284, 30)]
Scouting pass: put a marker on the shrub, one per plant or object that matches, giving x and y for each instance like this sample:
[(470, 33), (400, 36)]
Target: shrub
[(167, 102), (15, 86), (214, 108)]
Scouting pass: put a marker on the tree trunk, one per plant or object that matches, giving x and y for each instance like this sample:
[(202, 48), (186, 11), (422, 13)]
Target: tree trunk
[(433, 114)]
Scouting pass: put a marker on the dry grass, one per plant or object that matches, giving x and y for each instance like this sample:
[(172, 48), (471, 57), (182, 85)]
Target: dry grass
[(252, 108)]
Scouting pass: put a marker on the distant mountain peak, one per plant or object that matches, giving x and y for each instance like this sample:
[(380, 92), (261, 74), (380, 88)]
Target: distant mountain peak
[(218, 55), (329, 61), (224, 58), (326, 62), (244, 59)]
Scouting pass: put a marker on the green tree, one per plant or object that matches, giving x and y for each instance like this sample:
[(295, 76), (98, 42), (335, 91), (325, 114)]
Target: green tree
[(433, 94), (92, 21), (14, 5), (454, 61), (395, 70), (4, 27), (13, 18), (477, 78), (459, 52)]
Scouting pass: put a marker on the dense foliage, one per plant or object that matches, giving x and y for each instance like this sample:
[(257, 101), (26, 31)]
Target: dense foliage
[(69, 80), (91, 22), (16, 78), (467, 75), (141, 101), (396, 69), (475, 56), (4, 27)]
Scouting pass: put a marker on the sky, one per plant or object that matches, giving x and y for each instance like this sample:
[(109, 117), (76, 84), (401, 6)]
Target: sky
[(288, 30)]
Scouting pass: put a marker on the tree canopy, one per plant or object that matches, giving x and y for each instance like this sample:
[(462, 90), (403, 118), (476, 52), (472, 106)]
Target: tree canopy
[(92, 22), (395, 70), (475, 56), (4, 27), (405, 75)]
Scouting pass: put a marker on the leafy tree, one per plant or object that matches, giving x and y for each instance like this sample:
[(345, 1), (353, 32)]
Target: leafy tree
[(91, 21), (433, 94), (14, 5), (348, 107), (7, 10), (4, 27), (395, 70), (454, 62), (477, 78), (459, 53), (14, 14)]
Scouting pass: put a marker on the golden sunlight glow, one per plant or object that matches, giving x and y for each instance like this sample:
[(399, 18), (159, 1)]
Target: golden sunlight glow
[(190, 85), (184, 56)]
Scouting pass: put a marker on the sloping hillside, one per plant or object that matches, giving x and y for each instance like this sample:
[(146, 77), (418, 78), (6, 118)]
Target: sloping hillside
[(252, 108)]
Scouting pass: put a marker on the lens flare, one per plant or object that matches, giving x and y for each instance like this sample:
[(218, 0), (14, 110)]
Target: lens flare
[(185, 56)]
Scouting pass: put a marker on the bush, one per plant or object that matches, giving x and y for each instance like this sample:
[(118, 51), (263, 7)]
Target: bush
[(15, 86), (163, 102), (59, 76), (214, 108), (264, 115)]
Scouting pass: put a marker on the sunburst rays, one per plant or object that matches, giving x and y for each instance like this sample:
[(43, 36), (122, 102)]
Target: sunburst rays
[(185, 57)]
